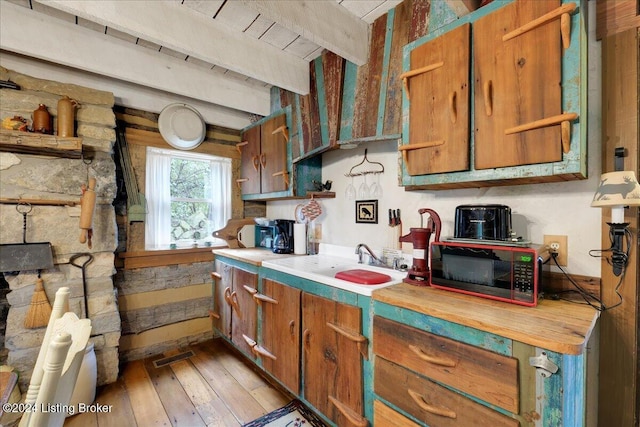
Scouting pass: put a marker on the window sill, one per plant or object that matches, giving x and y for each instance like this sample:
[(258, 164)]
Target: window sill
[(159, 258)]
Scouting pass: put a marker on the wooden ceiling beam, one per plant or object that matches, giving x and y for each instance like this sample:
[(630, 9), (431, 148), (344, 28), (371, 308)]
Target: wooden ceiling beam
[(323, 22), (182, 29), (22, 30)]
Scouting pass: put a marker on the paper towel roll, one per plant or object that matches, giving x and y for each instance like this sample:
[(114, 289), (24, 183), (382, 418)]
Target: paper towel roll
[(299, 239)]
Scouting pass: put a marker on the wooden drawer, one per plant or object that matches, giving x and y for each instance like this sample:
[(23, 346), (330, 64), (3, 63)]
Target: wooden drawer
[(489, 376), (431, 403)]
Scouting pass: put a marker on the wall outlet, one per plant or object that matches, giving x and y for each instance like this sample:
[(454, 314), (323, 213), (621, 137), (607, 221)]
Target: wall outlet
[(559, 243)]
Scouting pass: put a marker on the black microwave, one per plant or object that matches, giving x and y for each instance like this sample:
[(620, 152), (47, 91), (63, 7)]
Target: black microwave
[(512, 274)]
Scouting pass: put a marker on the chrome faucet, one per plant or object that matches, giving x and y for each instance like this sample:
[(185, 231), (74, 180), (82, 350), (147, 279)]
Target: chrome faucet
[(374, 260)]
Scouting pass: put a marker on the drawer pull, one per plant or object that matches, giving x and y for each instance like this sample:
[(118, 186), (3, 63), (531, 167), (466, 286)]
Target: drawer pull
[(442, 361), (487, 89), (258, 297), (419, 399), (359, 339), (353, 417), (213, 315), (256, 163), (260, 351), (305, 339), (233, 300), (249, 289), (216, 276), (453, 106)]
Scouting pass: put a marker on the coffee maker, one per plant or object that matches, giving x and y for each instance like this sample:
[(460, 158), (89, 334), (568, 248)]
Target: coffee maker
[(419, 274), (283, 240)]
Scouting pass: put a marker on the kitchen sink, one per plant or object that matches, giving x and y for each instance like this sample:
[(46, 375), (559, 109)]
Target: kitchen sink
[(323, 268)]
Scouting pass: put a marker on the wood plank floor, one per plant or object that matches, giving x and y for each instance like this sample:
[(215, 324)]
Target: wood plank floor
[(215, 387)]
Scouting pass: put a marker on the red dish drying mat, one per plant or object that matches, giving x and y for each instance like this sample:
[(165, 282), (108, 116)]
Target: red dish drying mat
[(363, 277)]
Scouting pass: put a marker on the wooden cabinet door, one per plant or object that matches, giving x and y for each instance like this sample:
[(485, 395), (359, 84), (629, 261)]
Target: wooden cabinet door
[(220, 305), (274, 155), (245, 309), (281, 333), (332, 371), (439, 104), (250, 161), (517, 82)]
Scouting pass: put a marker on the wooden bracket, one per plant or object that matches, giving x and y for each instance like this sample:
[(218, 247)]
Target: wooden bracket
[(285, 132), (354, 418), (239, 181), (562, 119), (359, 339), (239, 146), (285, 175), (417, 146), (417, 71), (561, 12)]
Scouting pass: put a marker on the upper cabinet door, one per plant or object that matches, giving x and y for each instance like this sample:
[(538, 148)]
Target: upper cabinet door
[(249, 180), (273, 159), (517, 82), (438, 92)]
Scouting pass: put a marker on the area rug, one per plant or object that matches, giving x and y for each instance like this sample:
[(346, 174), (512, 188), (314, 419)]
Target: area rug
[(294, 414)]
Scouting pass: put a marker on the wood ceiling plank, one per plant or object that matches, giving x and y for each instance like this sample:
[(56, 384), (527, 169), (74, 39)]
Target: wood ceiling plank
[(21, 31), (323, 22), (179, 28)]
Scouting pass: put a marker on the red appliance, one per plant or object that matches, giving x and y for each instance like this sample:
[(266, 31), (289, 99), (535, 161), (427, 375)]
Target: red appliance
[(419, 273)]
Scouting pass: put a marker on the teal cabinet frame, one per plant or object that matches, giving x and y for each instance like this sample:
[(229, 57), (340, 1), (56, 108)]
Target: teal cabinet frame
[(302, 174), (574, 99), (560, 399)]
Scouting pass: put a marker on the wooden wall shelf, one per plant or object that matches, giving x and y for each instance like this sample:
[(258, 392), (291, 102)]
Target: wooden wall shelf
[(42, 144)]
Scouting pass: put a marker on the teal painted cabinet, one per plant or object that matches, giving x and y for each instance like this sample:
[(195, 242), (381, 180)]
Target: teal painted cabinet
[(440, 373), (311, 338), (528, 99), (267, 170)]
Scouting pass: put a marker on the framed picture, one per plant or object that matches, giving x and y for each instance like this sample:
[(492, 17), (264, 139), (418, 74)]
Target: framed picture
[(367, 211)]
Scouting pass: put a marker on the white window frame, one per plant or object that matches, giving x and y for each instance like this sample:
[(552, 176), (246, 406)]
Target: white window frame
[(157, 193)]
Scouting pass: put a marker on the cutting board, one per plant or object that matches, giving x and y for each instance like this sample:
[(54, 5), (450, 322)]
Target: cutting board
[(363, 277), (230, 232)]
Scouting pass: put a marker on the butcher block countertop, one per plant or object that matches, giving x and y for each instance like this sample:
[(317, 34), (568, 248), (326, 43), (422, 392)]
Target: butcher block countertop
[(250, 255), (558, 326)]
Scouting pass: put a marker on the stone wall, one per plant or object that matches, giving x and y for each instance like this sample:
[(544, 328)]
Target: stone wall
[(54, 178)]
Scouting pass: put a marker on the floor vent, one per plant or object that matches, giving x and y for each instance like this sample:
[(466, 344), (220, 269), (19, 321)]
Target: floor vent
[(171, 359)]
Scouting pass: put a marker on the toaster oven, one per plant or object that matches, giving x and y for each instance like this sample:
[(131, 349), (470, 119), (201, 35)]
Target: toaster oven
[(512, 274)]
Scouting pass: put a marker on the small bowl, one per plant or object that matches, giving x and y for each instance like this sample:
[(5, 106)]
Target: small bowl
[(262, 221)]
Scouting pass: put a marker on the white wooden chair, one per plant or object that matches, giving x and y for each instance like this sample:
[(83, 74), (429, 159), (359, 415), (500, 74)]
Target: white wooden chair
[(56, 370)]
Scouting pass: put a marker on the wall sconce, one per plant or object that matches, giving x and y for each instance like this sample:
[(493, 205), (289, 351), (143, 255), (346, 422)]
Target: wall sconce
[(617, 190)]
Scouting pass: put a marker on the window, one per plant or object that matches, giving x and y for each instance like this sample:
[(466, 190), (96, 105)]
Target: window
[(188, 197)]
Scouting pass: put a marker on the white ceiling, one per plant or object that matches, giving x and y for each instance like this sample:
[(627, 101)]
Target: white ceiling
[(223, 53)]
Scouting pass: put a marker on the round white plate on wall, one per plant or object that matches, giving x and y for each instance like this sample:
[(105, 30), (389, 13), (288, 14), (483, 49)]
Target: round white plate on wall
[(182, 126)]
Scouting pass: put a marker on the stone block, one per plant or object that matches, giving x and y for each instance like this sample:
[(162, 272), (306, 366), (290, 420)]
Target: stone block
[(96, 115), (108, 362), (82, 94), (96, 132), (112, 339), (101, 304), (105, 323)]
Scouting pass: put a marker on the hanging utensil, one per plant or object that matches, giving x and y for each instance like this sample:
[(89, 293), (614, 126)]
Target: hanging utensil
[(83, 266), (87, 208), (25, 256)]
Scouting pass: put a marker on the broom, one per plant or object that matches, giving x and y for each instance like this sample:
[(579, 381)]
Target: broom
[(39, 309)]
